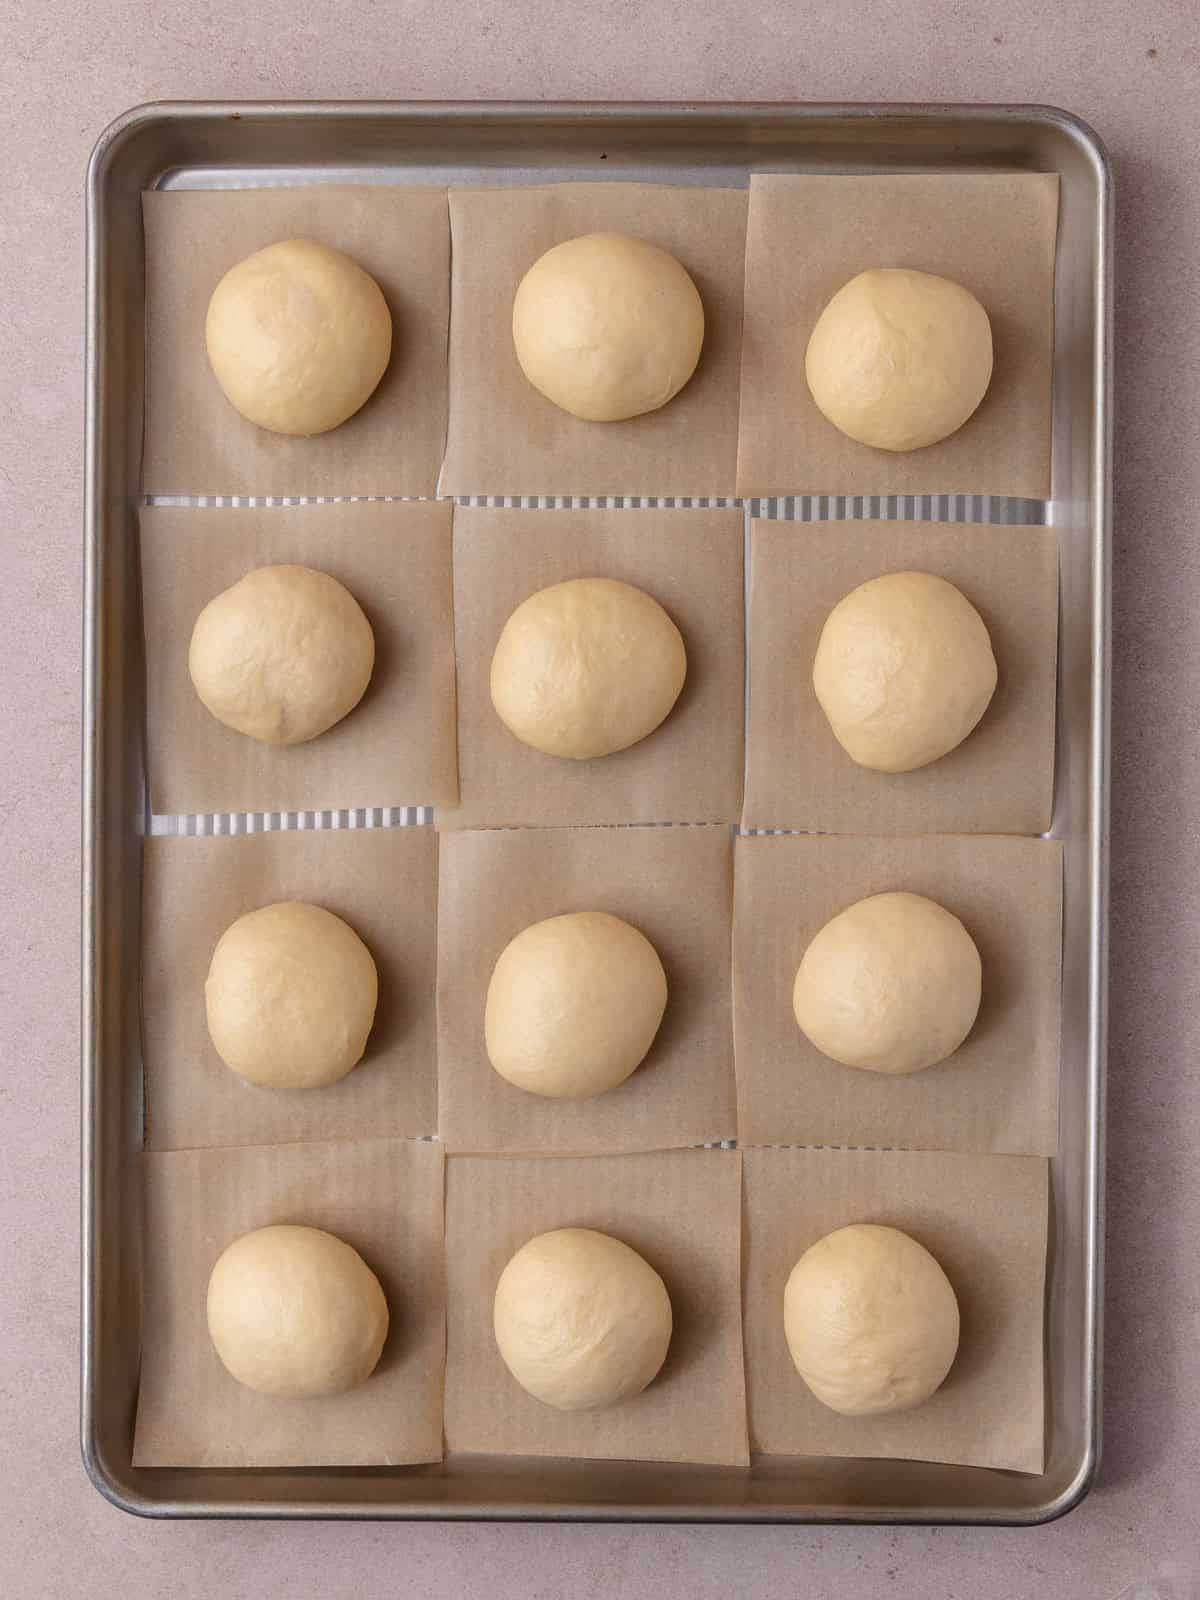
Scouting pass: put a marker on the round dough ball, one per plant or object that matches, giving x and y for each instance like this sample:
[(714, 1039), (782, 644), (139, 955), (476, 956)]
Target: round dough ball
[(899, 359), (904, 670), (282, 655), (607, 326), (290, 996), (871, 1320), (891, 984), (573, 1005), (295, 1312), (587, 667), (298, 336), (581, 1320)]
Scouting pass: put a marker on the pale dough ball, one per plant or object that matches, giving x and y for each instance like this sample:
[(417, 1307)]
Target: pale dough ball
[(891, 984), (900, 359), (573, 1005), (298, 336), (607, 326), (871, 1320), (581, 1320), (290, 996), (295, 1312), (282, 655), (586, 668), (904, 670)]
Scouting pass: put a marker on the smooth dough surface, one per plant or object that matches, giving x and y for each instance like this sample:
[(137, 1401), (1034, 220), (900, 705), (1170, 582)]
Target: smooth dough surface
[(891, 984), (586, 668), (900, 359), (574, 1004), (290, 996), (871, 1320), (607, 326), (298, 337), (296, 1312), (282, 655), (581, 1320), (904, 670)]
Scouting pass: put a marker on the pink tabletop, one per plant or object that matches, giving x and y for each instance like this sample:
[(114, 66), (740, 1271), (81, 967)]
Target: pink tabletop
[(1129, 67)]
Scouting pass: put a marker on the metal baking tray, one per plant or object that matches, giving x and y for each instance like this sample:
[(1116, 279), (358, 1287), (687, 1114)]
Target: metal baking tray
[(221, 145)]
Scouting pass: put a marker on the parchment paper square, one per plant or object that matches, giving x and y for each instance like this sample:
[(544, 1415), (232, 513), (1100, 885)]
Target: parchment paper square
[(998, 1091), (1000, 779), (985, 1220), (675, 886), (690, 768), (383, 1197), (681, 1210), (397, 747), (507, 438), (995, 233), (196, 442), (383, 882)]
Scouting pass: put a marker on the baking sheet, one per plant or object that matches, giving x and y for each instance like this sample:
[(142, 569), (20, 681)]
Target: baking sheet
[(507, 438), (1000, 779), (384, 1197), (690, 768), (984, 1218), (675, 886), (993, 232), (397, 747), (196, 442), (998, 1091), (681, 1210), (383, 882)]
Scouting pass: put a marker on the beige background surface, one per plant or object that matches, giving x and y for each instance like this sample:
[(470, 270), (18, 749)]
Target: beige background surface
[(66, 69)]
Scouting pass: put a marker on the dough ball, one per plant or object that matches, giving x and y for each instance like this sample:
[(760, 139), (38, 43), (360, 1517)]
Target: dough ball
[(573, 1005), (290, 996), (582, 1321), (900, 359), (282, 655), (904, 670), (587, 667), (607, 326), (871, 1320), (295, 1312), (891, 984), (298, 336)]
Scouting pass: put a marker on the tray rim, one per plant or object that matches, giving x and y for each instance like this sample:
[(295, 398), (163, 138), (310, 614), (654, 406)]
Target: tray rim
[(664, 114)]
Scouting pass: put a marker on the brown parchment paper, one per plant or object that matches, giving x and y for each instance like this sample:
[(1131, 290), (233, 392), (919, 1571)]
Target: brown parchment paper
[(384, 1197), (681, 1210), (196, 443), (507, 438), (690, 768), (998, 1091), (1000, 779), (397, 747), (675, 885), (383, 882), (985, 1220), (994, 233)]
